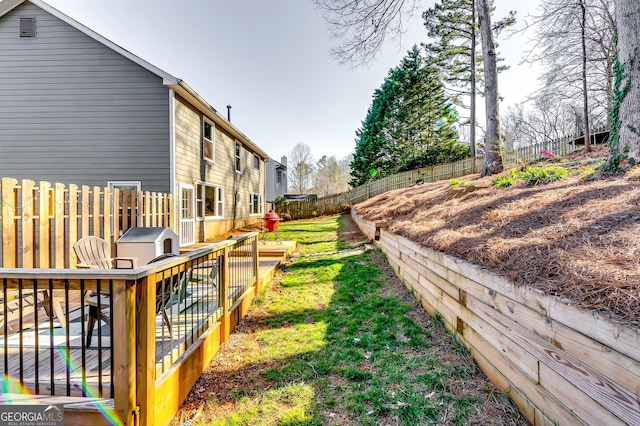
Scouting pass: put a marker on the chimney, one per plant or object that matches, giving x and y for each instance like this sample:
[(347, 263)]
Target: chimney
[(229, 113)]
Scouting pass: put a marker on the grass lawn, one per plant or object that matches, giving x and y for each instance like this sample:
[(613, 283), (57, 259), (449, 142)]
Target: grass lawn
[(336, 339)]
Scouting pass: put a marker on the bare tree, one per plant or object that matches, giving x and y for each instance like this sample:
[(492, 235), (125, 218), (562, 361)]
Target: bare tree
[(364, 25), (301, 162), (628, 96), (585, 94), (545, 120), (574, 43), (492, 156), (332, 176)]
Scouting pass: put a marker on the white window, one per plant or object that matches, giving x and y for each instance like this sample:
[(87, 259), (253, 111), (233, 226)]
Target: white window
[(209, 201), (256, 162), (125, 185), (238, 157), (255, 204), (208, 140)]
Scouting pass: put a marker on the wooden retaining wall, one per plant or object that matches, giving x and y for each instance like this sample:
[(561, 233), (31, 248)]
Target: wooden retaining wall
[(558, 363)]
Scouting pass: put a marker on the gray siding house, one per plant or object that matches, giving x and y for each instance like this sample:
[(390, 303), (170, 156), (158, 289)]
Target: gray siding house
[(276, 179), (77, 108)]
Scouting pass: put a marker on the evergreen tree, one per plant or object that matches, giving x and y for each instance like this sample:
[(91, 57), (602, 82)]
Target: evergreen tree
[(410, 123)]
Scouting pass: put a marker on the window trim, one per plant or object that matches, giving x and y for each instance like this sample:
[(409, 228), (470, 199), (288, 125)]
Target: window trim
[(238, 156), (256, 162), (211, 141), (260, 210), (200, 200), (117, 183)]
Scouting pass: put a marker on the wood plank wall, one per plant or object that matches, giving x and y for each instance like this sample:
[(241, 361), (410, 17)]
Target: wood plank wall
[(559, 364), (40, 223)]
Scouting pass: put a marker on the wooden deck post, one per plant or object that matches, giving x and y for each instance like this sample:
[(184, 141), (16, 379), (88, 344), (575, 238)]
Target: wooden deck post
[(123, 328), (225, 329), (146, 349), (9, 228)]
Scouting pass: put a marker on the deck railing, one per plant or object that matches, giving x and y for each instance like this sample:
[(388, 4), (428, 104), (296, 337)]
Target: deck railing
[(155, 317)]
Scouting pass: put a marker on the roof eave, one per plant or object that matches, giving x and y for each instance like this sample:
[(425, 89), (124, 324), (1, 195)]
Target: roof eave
[(203, 106), (7, 6)]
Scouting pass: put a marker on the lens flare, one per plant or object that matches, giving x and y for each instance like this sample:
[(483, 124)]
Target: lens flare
[(91, 391)]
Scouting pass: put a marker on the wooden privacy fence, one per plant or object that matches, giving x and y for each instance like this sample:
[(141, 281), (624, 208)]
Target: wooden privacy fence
[(340, 202), (298, 209), (40, 223)]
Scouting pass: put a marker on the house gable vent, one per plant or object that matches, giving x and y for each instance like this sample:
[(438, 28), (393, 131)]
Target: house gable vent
[(27, 27)]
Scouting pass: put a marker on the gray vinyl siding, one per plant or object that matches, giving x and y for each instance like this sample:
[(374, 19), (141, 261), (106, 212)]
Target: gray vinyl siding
[(273, 188), (74, 111), (191, 166)]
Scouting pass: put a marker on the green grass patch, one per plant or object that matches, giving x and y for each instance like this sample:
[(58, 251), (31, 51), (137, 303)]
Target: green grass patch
[(530, 176), (313, 235), (335, 348), (291, 404), (458, 182)]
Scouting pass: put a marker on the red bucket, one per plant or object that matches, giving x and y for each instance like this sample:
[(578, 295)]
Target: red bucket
[(271, 221)]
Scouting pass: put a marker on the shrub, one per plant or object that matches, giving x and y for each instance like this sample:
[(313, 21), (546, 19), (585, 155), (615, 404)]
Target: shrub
[(531, 176), (457, 182), (504, 181)]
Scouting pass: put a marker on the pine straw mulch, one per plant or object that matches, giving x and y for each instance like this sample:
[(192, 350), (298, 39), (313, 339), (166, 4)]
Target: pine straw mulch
[(576, 239)]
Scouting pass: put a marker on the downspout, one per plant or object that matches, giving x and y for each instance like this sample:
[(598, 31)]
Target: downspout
[(172, 157)]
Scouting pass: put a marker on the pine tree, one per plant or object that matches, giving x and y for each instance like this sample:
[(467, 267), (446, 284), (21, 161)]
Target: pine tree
[(452, 26)]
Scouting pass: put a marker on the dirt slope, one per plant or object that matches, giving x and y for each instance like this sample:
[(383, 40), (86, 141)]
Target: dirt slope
[(578, 238)]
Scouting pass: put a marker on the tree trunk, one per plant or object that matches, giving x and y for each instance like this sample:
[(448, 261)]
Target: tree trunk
[(585, 95), (472, 129), (492, 157), (628, 21)]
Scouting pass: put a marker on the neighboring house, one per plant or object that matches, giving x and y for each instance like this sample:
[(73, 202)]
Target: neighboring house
[(77, 108), (300, 197), (276, 179)]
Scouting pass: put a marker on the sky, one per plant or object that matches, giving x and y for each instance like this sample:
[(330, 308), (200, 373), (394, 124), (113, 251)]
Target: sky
[(271, 61)]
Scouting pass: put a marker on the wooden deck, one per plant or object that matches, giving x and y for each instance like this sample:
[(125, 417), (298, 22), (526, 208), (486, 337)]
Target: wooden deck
[(142, 364), (269, 248), (48, 352), (273, 249)]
